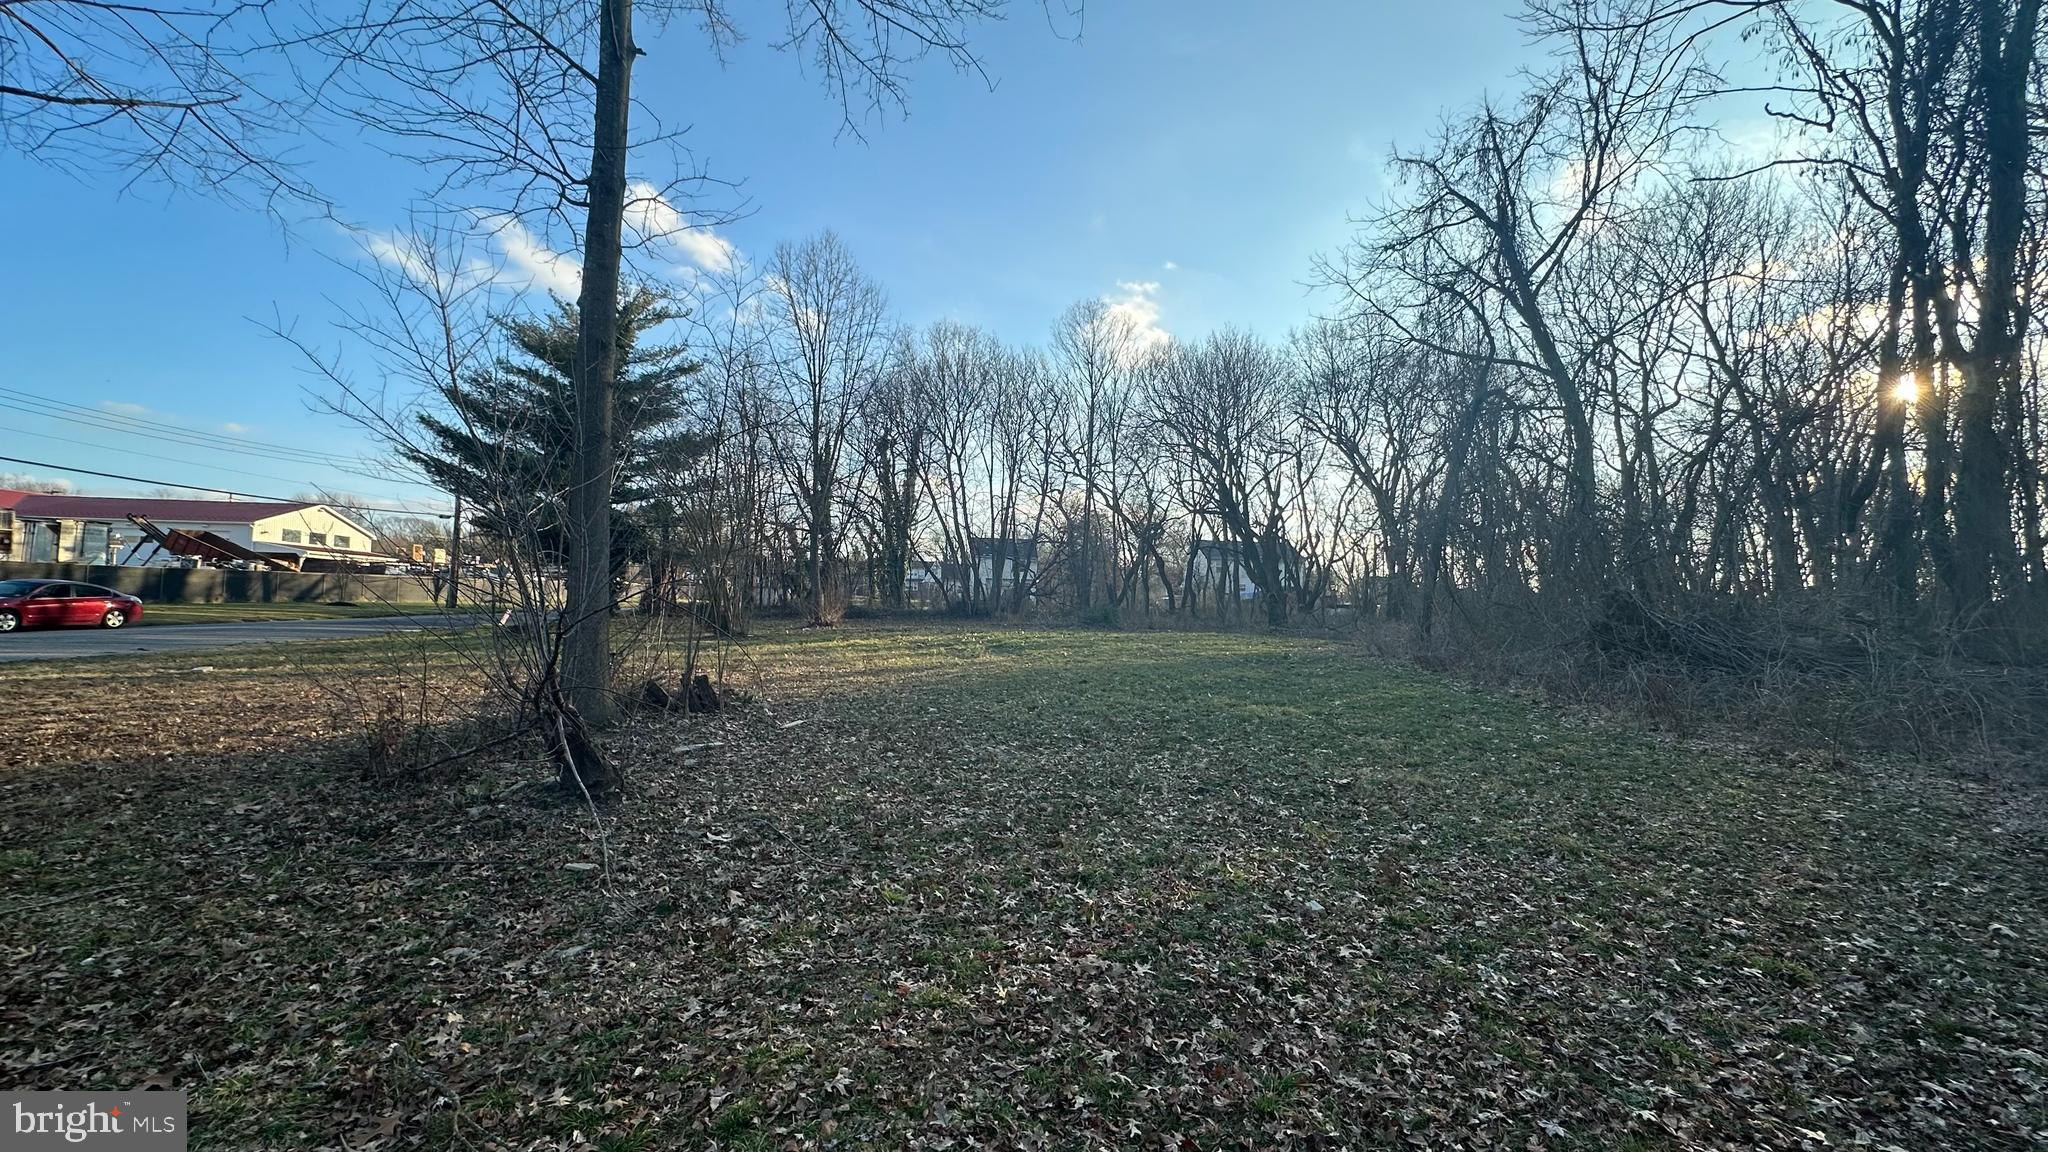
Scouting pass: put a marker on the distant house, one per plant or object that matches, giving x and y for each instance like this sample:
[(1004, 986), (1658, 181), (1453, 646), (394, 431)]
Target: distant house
[(1226, 563), (930, 583), (1019, 560), (922, 575), (55, 528)]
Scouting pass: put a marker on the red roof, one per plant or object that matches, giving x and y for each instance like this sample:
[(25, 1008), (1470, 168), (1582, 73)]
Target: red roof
[(9, 497), (120, 507)]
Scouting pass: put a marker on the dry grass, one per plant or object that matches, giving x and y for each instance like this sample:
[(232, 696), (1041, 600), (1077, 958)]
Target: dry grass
[(292, 701)]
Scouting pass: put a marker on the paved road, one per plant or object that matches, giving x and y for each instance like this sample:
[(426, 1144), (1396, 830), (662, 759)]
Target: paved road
[(70, 643)]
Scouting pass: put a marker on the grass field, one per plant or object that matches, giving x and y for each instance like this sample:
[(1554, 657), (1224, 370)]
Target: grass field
[(234, 613), (1026, 889)]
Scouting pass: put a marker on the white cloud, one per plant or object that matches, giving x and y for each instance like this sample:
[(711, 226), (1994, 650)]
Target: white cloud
[(528, 262), (386, 248), (123, 408), (1136, 302), (531, 263), (657, 221), (234, 429), (460, 267), (1169, 266)]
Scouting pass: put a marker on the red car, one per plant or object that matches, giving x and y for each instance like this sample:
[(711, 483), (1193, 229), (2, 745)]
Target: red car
[(60, 603)]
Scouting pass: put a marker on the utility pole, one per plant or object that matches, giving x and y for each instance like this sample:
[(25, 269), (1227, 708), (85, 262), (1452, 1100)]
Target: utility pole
[(455, 553)]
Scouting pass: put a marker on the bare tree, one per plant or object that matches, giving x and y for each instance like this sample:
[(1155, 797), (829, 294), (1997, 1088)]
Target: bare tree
[(729, 320), (153, 92), (953, 368), (831, 346), (1499, 216), (1144, 479), (1919, 110), (1222, 408), (896, 443), (1095, 353)]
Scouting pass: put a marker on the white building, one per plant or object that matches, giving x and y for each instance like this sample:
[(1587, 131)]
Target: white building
[(1224, 563), (1017, 559), (55, 528)]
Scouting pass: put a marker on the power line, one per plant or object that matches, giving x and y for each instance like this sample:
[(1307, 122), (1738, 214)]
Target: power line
[(218, 467), (127, 419), (174, 460), (154, 430), (221, 491), (307, 461)]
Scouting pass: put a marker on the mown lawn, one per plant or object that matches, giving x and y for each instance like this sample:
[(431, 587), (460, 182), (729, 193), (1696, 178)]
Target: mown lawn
[(1043, 889)]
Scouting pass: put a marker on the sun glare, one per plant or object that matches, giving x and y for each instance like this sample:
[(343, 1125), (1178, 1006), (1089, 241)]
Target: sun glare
[(1907, 390)]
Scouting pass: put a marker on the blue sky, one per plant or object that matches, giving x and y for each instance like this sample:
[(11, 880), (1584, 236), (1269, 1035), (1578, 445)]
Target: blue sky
[(1189, 157)]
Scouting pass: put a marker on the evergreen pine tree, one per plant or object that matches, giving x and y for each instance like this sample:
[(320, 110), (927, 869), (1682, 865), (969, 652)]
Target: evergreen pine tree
[(505, 444)]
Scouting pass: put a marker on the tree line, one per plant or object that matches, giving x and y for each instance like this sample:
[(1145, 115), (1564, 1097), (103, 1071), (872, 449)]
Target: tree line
[(1587, 348)]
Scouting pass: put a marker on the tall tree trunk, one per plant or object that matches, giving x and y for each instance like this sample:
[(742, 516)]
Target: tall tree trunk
[(587, 645), (1582, 540), (1439, 532), (822, 548), (1275, 593), (1983, 506)]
